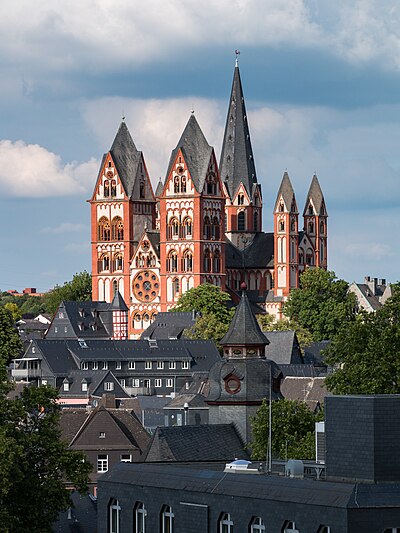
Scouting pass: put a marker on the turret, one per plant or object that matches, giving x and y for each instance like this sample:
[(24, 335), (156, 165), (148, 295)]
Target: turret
[(315, 225)]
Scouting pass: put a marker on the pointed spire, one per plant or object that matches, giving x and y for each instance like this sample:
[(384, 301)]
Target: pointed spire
[(126, 157), (237, 161), (160, 187), (118, 303), (196, 152), (244, 329), (286, 192), (316, 196)]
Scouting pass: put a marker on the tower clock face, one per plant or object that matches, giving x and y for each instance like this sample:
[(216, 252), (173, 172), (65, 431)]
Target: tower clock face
[(146, 285)]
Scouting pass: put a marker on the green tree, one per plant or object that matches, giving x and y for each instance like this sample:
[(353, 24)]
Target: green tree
[(35, 463), (365, 354), (215, 315), (10, 343), (268, 323), (14, 310), (293, 430), (78, 289), (322, 303)]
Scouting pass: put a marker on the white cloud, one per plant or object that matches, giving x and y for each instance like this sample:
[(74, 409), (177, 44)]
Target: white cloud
[(29, 170), (65, 227)]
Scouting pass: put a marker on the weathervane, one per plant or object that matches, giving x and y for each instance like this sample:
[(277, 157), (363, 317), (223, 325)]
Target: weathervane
[(237, 54), (123, 116)]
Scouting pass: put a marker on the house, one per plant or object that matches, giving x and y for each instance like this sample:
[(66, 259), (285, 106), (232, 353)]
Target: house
[(371, 294)]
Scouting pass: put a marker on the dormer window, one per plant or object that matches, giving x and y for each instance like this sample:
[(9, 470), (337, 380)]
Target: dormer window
[(84, 386), (85, 365), (66, 386)]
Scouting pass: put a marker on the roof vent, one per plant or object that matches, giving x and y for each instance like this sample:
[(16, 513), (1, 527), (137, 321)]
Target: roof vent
[(82, 343), (153, 343), (241, 466)]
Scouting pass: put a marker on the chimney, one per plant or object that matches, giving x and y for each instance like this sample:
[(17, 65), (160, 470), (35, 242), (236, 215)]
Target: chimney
[(108, 400)]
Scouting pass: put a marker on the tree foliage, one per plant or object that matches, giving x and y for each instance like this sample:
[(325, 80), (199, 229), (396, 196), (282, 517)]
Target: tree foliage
[(322, 304), (35, 463), (268, 323), (78, 289), (14, 310), (10, 343), (214, 314), (25, 303), (365, 354), (293, 430)]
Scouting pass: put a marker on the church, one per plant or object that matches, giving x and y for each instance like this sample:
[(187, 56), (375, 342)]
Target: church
[(203, 224)]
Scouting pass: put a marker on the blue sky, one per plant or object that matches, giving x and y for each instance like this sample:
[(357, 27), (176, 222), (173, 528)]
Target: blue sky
[(322, 88)]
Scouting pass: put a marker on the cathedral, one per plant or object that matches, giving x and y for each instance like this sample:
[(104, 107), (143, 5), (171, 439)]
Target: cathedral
[(203, 224)]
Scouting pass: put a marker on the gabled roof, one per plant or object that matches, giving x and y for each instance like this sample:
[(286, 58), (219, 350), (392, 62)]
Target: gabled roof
[(216, 442), (126, 158), (160, 188), (196, 152), (244, 328), (118, 303), (169, 325), (283, 347), (88, 319), (287, 193), (311, 390), (237, 162), (95, 381), (258, 254), (316, 196)]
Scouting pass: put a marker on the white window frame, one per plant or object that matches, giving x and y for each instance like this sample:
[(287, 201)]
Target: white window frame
[(66, 387), (135, 382), (95, 365), (172, 365), (131, 365), (160, 365), (167, 519), (84, 386), (185, 365), (140, 514), (148, 365), (102, 463), (225, 523), (257, 525), (122, 382), (118, 365), (290, 527), (126, 458), (115, 516), (85, 365), (105, 365), (158, 382), (170, 383), (109, 386)]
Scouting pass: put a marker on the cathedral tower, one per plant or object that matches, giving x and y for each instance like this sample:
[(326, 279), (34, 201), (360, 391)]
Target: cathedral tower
[(192, 240), (238, 172), (122, 205), (315, 226), (286, 238)]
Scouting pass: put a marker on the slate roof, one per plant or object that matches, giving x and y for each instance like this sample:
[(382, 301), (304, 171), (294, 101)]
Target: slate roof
[(94, 380), (57, 355), (216, 442), (315, 194), (169, 325), (310, 390), (118, 303), (193, 400), (255, 487), (82, 316), (83, 518), (71, 421), (286, 191), (244, 328), (305, 370), (149, 409), (196, 152), (237, 161), (313, 353), (126, 158), (283, 347), (258, 254), (160, 188), (154, 238)]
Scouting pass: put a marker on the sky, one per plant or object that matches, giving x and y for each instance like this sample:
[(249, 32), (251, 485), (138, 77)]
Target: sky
[(322, 89)]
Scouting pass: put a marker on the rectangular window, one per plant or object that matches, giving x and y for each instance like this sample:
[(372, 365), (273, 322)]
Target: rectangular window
[(185, 365), (109, 385), (61, 315), (148, 365), (126, 458), (102, 435), (122, 382), (160, 365), (55, 329), (95, 365), (65, 329), (131, 365), (66, 387), (135, 383), (118, 365), (172, 365), (102, 463), (158, 382), (84, 386), (105, 365), (85, 365), (170, 383)]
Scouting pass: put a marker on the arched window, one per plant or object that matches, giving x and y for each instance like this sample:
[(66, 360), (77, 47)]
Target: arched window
[(310, 210), (118, 261), (215, 229), (173, 228), (176, 184), (281, 207), (187, 227), (289, 527), (301, 257), (225, 523), (216, 261), (309, 257), (139, 518), (183, 184), (172, 261), (115, 286), (117, 229), (106, 189), (311, 228), (211, 185), (103, 229), (104, 262), (207, 228), (257, 525), (175, 288), (241, 221), (281, 225), (187, 261), (142, 189), (151, 260), (322, 227), (293, 226), (113, 188), (114, 511), (327, 529), (167, 519), (255, 221), (207, 260), (240, 199)]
